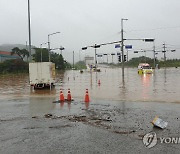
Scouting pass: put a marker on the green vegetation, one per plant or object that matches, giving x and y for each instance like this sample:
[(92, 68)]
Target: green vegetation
[(20, 66), (170, 63), (14, 66), (134, 62), (80, 65), (20, 52), (42, 55)]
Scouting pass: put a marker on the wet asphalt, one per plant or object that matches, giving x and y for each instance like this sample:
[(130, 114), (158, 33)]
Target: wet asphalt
[(100, 126)]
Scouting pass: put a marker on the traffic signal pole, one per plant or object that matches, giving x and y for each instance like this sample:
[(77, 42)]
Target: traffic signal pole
[(164, 51), (95, 56), (154, 50), (122, 46)]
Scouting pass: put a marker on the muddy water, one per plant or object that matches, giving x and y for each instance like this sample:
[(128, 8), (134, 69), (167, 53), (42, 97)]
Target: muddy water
[(162, 86)]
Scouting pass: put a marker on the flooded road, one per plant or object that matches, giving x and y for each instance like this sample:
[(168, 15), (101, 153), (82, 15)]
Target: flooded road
[(162, 86), (120, 110)]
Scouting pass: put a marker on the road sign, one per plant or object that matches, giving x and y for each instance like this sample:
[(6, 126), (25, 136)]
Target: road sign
[(128, 46), (117, 46)]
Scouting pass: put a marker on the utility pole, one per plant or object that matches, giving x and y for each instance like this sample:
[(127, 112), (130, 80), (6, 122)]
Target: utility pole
[(122, 46), (49, 48), (127, 55), (95, 55), (164, 51), (154, 50), (73, 59), (29, 29)]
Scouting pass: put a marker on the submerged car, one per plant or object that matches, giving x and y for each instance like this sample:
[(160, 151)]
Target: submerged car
[(93, 68), (144, 68)]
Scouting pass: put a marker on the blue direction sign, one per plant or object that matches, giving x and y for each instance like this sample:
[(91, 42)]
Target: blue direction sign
[(128, 46), (117, 46)]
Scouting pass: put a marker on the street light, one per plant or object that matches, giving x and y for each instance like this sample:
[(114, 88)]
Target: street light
[(29, 30), (49, 43), (122, 46)]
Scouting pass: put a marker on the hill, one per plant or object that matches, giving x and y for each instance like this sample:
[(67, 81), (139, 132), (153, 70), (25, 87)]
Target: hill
[(9, 47)]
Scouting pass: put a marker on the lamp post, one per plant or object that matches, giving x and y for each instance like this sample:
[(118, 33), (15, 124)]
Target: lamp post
[(122, 46), (29, 30), (49, 43)]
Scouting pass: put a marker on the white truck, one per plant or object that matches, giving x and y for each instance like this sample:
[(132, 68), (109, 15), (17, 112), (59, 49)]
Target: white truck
[(42, 74)]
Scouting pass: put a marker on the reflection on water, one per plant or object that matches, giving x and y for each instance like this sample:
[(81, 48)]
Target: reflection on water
[(41, 105), (163, 85)]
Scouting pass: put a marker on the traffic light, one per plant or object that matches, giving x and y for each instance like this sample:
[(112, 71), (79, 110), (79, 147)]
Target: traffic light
[(119, 58), (125, 58), (84, 48), (149, 40), (97, 46), (61, 48)]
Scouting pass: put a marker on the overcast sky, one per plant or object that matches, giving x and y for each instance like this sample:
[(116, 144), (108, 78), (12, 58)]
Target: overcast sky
[(86, 22)]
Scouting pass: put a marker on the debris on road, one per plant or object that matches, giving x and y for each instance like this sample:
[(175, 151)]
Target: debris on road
[(159, 123)]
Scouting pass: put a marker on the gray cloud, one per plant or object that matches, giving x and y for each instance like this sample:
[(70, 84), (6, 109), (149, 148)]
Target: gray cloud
[(86, 22)]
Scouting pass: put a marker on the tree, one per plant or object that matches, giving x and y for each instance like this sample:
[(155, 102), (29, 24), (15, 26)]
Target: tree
[(20, 52), (58, 60), (44, 55), (13, 66), (41, 54), (80, 65)]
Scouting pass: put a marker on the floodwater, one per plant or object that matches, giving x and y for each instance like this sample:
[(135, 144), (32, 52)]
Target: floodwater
[(114, 121), (163, 85)]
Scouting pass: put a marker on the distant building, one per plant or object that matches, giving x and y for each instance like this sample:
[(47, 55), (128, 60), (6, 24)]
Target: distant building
[(89, 60), (5, 55)]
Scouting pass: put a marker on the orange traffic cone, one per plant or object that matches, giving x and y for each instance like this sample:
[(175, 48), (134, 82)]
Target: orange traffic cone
[(86, 99), (69, 95), (61, 96)]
